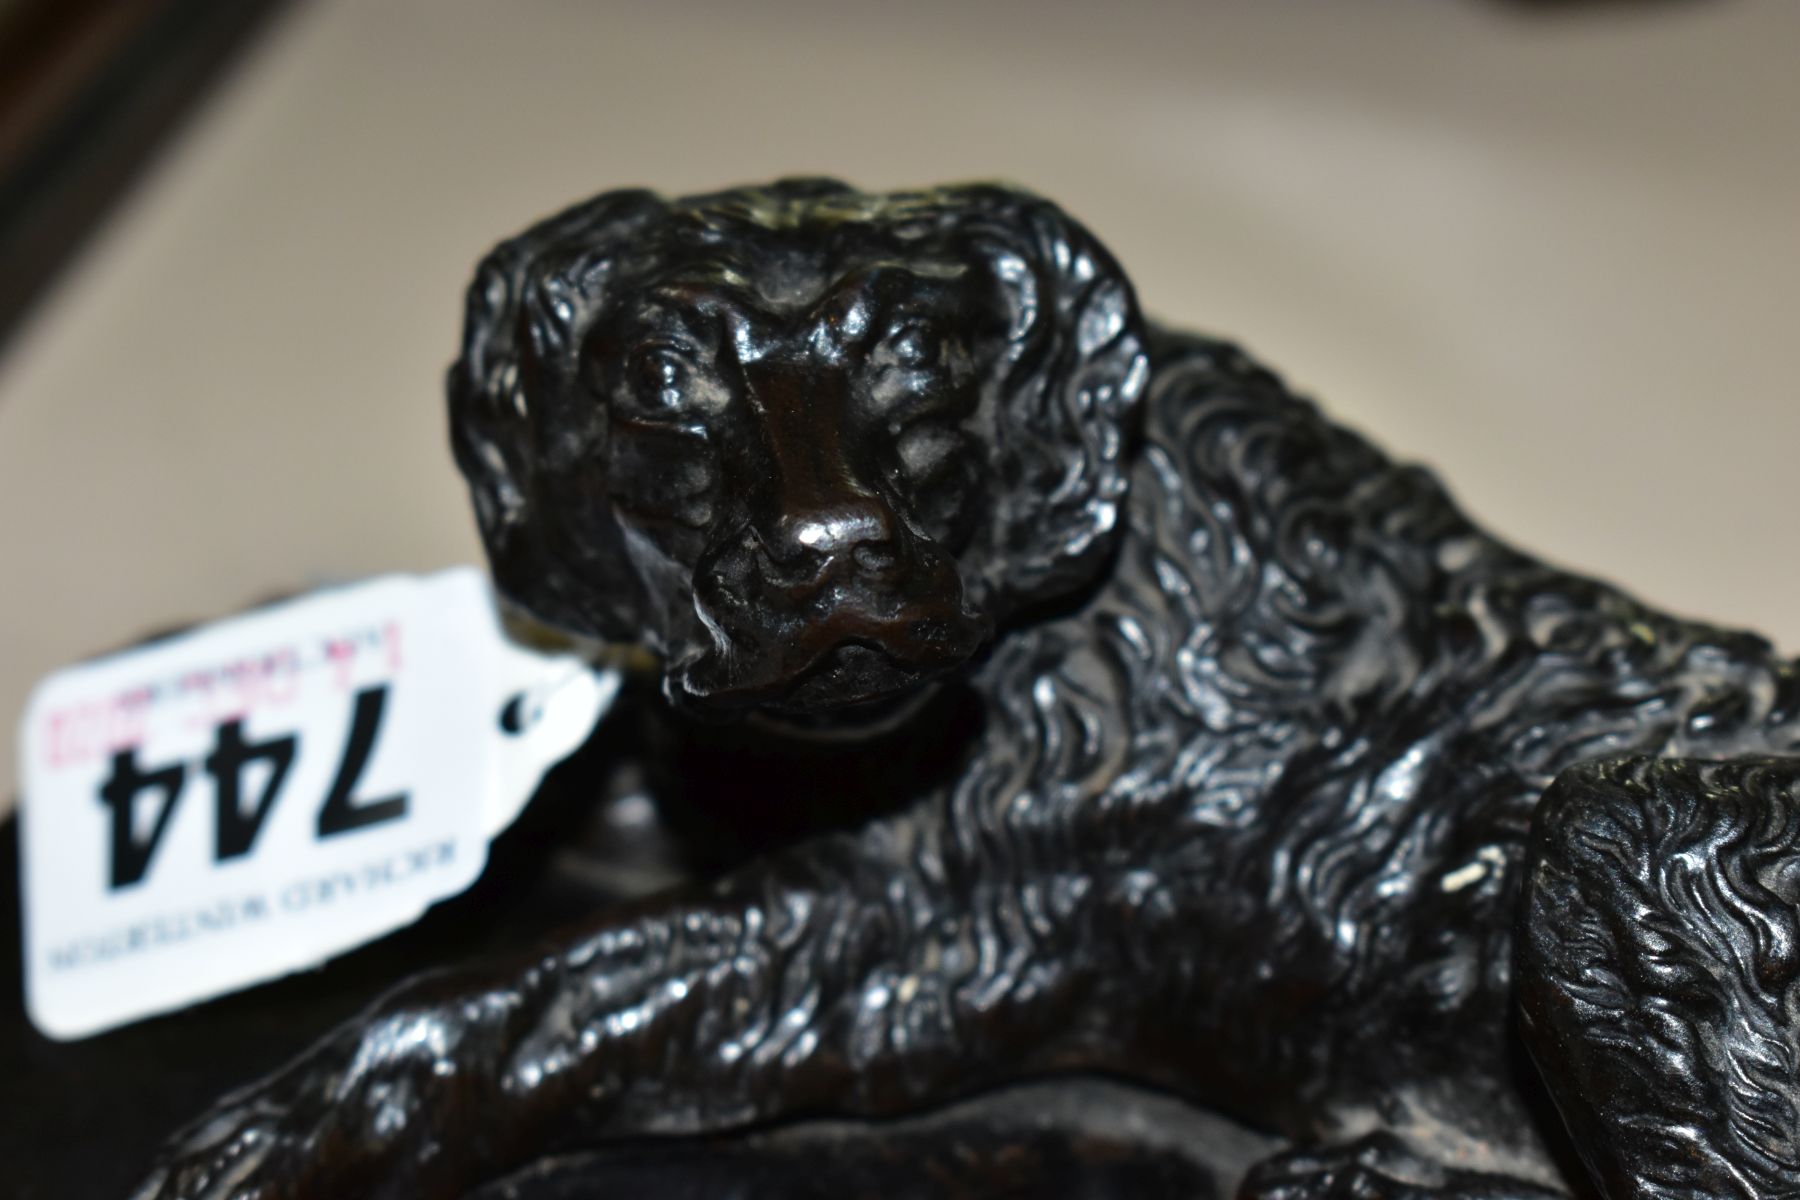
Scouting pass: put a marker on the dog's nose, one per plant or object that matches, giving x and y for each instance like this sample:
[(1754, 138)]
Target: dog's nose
[(858, 524), (815, 508)]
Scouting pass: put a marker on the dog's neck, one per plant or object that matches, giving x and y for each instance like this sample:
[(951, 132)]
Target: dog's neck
[(741, 787)]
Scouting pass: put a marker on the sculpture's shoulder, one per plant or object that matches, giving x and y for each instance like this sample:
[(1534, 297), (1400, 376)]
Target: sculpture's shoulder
[(1310, 559), (1308, 568), (1249, 449)]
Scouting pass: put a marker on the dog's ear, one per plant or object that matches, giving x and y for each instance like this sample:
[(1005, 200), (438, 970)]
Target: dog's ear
[(1073, 371), (519, 431)]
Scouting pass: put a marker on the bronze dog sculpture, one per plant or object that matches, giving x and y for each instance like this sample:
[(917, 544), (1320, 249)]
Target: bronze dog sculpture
[(1252, 770)]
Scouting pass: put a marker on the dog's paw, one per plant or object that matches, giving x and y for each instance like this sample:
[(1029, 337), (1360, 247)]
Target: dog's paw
[(355, 1116), (1378, 1167), (234, 1152)]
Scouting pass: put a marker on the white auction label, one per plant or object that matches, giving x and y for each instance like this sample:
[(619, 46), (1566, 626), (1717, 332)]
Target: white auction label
[(249, 798)]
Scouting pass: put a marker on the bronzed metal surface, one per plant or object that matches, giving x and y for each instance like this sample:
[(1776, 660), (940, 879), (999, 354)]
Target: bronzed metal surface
[(1072, 698)]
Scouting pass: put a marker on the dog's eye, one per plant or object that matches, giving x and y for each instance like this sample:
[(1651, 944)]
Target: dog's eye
[(658, 377), (917, 347), (913, 347)]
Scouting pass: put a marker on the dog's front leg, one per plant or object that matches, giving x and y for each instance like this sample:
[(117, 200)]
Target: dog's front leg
[(861, 973)]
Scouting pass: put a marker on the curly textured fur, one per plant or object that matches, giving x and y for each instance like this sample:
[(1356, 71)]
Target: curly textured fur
[(1662, 959), (1245, 813)]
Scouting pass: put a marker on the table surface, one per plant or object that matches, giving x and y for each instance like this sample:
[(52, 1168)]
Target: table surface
[(1550, 250)]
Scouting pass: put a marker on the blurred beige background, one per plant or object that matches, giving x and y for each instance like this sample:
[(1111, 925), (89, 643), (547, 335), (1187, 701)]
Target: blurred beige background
[(1553, 252)]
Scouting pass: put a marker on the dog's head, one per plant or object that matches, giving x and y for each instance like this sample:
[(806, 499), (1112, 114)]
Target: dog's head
[(810, 445)]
